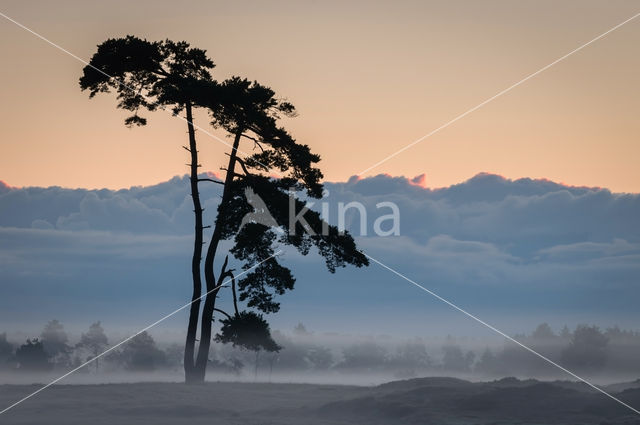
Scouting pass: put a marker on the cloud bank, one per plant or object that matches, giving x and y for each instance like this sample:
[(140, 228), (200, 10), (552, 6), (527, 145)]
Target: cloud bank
[(522, 247)]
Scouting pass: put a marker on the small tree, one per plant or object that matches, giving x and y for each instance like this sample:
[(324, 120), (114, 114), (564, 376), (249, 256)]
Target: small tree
[(489, 364), (301, 330), (247, 330), (54, 340), (565, 333), (587, 349), (95, 341), (543, 333), (141, 354), (455, 360), (31, 356), (6, 350)]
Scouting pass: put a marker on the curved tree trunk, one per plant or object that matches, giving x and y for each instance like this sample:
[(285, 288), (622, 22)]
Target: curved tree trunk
[(209, 275), (194, 312)]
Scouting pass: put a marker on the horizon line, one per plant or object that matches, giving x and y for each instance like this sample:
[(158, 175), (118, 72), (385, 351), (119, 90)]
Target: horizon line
[(416, 181)]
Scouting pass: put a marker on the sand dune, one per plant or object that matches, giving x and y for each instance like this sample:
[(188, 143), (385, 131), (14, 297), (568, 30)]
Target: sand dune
[(417, 401)]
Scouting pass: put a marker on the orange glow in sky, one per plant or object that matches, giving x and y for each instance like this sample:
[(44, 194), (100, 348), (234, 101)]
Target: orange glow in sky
[(367, 79)]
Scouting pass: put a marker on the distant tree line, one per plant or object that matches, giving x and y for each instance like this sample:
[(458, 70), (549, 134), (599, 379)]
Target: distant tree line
[(52, 351), (585, 350)]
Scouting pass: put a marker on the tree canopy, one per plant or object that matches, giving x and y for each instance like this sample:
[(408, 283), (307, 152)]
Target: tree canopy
[(147, 74)]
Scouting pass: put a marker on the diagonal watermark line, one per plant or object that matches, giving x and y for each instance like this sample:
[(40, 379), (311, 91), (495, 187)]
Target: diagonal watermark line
[(161, 107), (132, 336), (498, 331), (508, 89)]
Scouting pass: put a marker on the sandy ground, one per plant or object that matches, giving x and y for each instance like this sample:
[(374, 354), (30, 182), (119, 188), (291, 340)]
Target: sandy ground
[(417, 401)]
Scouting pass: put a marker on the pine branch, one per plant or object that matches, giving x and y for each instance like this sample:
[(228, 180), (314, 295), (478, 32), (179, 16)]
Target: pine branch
[(223, 312), (211, 180)]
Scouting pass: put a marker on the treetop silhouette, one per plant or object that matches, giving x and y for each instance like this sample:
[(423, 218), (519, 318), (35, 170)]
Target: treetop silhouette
[(147, 74)]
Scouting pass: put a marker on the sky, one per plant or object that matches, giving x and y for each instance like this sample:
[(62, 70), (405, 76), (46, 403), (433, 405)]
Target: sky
[(524, 211), (367, 78)]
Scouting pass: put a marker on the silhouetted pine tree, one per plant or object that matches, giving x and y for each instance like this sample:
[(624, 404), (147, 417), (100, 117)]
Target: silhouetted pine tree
[(250, 112), (151, 75)]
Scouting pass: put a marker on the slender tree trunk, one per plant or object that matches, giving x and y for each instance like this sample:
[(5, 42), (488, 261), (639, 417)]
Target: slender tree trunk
[(194, 312), (209, 275)]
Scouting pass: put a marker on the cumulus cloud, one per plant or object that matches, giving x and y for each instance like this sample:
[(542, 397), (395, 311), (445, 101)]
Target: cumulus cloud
[(164, 208), (528, 242), (522, 216)]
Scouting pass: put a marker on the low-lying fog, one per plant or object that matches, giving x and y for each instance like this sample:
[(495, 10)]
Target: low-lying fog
[(601, 355)]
